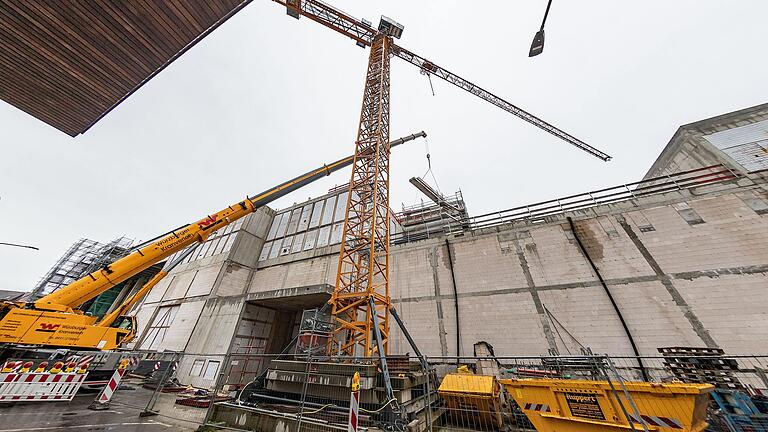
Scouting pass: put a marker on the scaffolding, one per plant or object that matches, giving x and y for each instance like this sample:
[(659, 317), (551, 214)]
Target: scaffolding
[(84, 257), (447, 216)]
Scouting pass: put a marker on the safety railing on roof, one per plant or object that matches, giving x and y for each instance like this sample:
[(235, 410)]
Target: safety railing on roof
[(538, 212)]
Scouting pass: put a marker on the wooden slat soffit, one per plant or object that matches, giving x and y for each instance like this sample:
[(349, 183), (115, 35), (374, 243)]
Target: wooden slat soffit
[(68, 63)]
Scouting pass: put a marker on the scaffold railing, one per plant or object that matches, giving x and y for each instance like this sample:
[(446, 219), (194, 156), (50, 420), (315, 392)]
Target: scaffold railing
[(540, 211)]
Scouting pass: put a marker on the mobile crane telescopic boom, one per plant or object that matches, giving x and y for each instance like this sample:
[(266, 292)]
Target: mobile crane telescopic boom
[(54, 320)]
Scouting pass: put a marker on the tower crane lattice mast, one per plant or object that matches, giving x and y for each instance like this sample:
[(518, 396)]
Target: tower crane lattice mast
[(361, 300)]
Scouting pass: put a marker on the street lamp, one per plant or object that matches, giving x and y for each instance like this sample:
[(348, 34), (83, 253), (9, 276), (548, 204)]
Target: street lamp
[(537, 46), (18, 245)]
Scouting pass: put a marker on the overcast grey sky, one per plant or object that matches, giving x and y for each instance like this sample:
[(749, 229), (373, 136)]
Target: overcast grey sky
[(266, 97)]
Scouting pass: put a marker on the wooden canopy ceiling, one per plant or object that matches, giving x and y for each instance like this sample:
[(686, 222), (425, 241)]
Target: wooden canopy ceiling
[(69, 63)]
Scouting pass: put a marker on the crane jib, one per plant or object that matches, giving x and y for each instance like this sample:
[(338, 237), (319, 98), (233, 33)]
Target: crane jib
[(364, 34)]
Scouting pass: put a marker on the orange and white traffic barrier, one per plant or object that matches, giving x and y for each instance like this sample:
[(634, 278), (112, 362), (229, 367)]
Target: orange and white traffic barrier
[(354, 404), (26, 366), (57, 367), (8, 367), (39, 385), (102, 401)]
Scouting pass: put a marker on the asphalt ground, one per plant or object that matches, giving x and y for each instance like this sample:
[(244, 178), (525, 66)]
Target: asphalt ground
[(122, 415)]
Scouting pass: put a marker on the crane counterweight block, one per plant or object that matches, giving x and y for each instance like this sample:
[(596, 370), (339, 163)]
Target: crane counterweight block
[(293, 8)]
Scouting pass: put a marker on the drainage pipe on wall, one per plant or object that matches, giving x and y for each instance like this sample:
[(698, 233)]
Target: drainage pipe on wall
[(455, 302), (610, 297)]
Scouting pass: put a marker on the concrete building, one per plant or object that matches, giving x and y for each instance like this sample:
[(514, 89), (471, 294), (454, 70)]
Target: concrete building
[(678, 259)]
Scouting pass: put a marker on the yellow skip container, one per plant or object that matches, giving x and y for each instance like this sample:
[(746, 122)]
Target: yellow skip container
[(474, 400), (555, 405)]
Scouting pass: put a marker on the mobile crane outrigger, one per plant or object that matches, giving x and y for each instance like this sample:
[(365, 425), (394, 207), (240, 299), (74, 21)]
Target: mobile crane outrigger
[(55, 321)]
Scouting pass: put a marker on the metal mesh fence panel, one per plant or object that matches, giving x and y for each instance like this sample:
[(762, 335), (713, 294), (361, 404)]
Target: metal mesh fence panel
[(302, 390)]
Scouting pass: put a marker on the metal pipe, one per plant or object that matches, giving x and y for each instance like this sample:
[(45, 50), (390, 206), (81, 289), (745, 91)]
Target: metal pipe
[(610, 297), (455, 301)]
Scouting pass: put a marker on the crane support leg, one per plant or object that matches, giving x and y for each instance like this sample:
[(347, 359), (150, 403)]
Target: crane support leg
[(382, 357), (408, 337)]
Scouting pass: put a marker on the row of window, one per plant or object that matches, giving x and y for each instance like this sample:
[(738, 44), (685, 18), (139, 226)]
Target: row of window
[(316, 238), (306, 227), (312, 215), (205, 368), (219, 242)]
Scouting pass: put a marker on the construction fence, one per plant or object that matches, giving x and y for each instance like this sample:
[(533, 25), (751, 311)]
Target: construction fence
[(305, 391)]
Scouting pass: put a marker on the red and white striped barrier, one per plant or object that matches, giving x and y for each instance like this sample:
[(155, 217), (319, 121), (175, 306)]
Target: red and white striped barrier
[(537, 407), (102, 401), (664, 422), (39, 386), (354, 404), (80, 360)]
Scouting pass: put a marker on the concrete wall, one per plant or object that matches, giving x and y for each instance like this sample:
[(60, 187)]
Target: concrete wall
[(529, 288), (685, 268), (208, 292)]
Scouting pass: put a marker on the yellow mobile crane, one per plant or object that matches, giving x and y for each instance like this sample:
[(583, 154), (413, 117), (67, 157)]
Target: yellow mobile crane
[(55, 321)]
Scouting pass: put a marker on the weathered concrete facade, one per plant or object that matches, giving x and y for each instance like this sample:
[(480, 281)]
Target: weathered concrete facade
[(685, 267)]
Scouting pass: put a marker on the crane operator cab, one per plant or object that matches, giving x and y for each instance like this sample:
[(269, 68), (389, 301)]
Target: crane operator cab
[(127, 323)]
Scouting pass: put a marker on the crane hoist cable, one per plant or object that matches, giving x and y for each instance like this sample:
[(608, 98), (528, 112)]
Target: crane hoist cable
[(429, 166), (429, 77)]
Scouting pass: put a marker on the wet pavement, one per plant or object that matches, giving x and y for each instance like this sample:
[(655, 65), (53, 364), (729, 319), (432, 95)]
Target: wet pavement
[(122, 415)]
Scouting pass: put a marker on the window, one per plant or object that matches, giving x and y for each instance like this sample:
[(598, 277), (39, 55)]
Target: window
[(294, 222), (298, 241), (221, 244), (286, 249), (228, 229), (156, 332), (275, 248), (322, 239), (283, 224), (309, 242), (336, 233), (210, 369), (275, 223), (239, 223), (304, 220), (341, 207), (230, 241), (330, 204), (214, 244), (317, 212), (265, 251), (197, 368), (202, 249)]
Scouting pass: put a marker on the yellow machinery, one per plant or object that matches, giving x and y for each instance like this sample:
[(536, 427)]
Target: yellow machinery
[(55, 321), (579, 405)]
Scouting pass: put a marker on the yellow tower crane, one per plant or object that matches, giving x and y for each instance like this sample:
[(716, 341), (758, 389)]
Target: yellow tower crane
[(361, 303)]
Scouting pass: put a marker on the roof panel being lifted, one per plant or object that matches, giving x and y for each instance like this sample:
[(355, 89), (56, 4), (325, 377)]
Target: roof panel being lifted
[(70, 63)]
